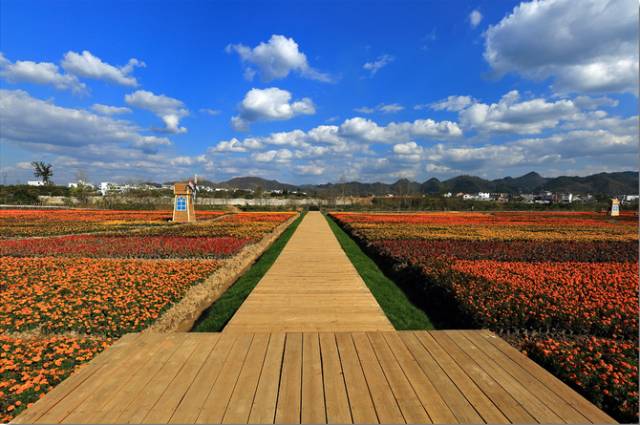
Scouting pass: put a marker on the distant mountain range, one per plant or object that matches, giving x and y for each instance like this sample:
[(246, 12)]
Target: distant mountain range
[(625, 182)]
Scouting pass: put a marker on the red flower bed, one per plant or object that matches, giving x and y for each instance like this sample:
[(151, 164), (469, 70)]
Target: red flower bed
[(415, 250), (31, 367), (125, 246), (604, 370)]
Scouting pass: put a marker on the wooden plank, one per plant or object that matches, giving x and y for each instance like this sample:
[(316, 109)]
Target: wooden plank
[(453, 397), (195, 397), (138, 380), (384, 402), (409, 403), (241, 401), (538, 410), (563, 409), (362, 410), (170, 399), (501, 398), (313, 405), (263, 409), (581, 404), (125, 360), (290, 392), (336, 399), (66, 387), (216, 403), (428, 393), (478, 399), (147, 398)]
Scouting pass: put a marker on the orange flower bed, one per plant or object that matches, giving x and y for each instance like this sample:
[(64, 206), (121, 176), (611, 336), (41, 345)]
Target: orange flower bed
[(31, 367), (606, 370), (105, 297), (583, 298)]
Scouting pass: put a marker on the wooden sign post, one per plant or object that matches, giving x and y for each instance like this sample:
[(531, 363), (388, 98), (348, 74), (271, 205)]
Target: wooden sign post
[(183, 209), (615, 207)]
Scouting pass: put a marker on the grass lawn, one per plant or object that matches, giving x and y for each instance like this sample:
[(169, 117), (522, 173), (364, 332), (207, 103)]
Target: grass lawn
[(395, 304), (216, 317)]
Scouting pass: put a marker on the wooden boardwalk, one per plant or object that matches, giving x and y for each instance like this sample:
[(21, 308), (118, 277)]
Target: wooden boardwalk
[(386, 377), (312, 286)]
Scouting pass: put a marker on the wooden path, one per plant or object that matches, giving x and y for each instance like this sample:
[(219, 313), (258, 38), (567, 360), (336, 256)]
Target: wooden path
[(386, 377), (312, 286)]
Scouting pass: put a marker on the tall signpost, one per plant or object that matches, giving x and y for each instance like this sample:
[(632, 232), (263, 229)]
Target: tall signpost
[(183, 205), (615, 207)]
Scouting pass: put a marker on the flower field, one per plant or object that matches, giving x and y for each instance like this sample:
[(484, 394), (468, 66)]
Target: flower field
[(125, 246), (28, 223), (92, 296), (29, 367), (73, 281), (563, 286)]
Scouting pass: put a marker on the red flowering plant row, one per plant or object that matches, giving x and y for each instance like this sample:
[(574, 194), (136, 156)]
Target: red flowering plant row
[(420, 250), (606, 370), (125, 246), (29, 367)]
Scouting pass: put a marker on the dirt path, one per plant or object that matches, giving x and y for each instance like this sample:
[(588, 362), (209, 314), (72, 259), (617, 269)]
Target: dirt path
[(312, 286)]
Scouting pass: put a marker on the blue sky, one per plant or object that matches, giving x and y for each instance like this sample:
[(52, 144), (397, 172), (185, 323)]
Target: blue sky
[(317, 91)]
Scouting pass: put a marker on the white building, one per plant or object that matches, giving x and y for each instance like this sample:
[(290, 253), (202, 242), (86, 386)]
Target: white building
[(80, 183), (484, 196), (106, 187), (35, 183)]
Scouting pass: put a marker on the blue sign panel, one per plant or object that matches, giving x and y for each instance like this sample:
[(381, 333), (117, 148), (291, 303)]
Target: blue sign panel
[(181, 203)]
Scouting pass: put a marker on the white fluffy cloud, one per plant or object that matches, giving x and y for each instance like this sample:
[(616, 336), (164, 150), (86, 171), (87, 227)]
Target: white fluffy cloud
[(475, 17), (310, 170), (451, 103), (376, 65), (280, 155), (410, 151), (87, 65), (28, 121), (275, 59), (510, 115), (586, 102), (270, 104), (385, 108), (110, 110), (590, 47), (170, 110), (39, 73)]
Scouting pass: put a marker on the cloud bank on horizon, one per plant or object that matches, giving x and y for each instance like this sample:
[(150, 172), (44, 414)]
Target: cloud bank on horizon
[(499, 90)]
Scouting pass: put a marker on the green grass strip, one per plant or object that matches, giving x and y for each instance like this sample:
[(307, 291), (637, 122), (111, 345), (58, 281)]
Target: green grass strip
[(395, 304), (216, 317)]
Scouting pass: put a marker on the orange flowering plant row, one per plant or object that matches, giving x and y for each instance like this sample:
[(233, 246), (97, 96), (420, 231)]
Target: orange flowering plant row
[(581, 298), (29, 367), (106, 297)]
